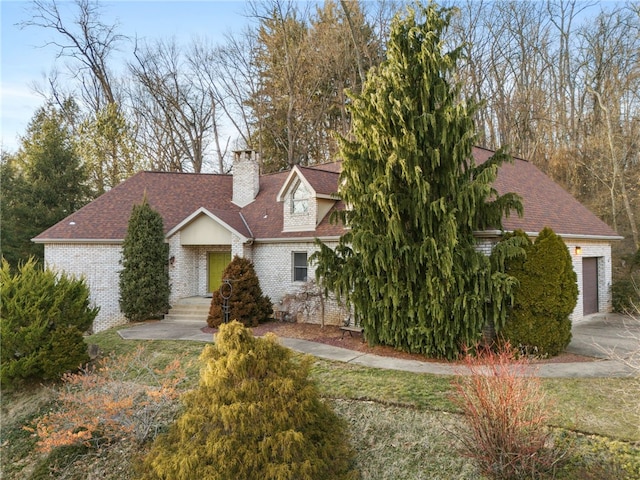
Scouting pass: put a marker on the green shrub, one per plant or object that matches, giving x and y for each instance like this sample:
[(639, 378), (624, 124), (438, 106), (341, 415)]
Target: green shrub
[(547, 294), (247, 304), (255, 415), (625, 290), (43, 316), (144, 278)]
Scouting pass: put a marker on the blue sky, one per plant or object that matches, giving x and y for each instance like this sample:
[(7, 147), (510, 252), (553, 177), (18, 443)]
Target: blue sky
[(24, 61)]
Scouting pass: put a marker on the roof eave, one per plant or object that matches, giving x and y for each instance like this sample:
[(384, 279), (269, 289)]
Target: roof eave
[(93, 241)]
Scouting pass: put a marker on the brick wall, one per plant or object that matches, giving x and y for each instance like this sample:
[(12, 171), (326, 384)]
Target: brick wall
[(99, 265), (299, 222), (246, 177), (274, 266), (592, 249)]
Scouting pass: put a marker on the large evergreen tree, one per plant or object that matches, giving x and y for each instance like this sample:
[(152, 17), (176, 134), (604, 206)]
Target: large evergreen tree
[(42, 184), (144, 279), (409, 265)]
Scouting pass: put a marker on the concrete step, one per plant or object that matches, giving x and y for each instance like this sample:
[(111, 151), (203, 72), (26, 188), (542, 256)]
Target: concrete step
[(192, 309)]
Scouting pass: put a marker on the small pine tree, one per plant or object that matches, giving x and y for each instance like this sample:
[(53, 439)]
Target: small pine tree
[(247, 304), (144, 279), (256, 415), (43, 317), (547, 294)]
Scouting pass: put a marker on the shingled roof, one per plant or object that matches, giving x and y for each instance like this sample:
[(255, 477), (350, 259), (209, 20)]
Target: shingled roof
[(176, 196), (546, 204)]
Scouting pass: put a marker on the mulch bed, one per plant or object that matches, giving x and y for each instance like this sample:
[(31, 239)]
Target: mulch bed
[(332, 335)]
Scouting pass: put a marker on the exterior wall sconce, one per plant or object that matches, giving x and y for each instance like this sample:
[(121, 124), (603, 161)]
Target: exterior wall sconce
[(578, 250), (172, 261)]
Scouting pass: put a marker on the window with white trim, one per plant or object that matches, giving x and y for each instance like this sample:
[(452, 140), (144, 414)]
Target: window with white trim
[(300, 199), (299, 266)]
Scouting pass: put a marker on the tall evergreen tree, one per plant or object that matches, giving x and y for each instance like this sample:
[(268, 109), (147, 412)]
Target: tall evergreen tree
[(42, 184), (144, 279), (409, 265)]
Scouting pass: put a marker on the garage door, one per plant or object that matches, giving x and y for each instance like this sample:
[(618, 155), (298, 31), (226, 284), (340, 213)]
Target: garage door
[(589, 285)]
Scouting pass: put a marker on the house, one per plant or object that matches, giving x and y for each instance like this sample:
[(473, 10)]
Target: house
[(274, 220)]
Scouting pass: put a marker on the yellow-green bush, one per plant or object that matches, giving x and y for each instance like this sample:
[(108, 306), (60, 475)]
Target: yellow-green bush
[(43, 316), (547, 294), (255, 415)]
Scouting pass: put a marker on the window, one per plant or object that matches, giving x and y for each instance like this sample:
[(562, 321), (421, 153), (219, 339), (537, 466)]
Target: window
[(300, 199), (299, 266)]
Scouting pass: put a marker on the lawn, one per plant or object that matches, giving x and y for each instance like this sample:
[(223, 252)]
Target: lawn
[(402, 425)]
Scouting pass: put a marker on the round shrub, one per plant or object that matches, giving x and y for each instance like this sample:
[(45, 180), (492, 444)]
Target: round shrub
[(43, 316), (547, 294), (247, 304), (255, 415)]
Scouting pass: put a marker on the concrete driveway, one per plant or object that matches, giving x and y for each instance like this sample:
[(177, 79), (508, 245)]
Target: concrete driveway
[(607, 336)]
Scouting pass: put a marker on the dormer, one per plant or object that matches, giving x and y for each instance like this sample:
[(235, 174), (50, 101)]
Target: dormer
[(307, 196)]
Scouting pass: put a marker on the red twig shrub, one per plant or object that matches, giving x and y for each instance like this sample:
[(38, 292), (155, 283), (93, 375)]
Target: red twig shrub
[(506, 411), (122, 398)]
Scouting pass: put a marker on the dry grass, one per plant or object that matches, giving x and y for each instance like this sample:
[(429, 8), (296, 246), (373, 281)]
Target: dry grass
[(399, 421)]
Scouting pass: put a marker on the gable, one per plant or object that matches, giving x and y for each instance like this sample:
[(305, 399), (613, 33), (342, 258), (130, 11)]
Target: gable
[(204, 230)]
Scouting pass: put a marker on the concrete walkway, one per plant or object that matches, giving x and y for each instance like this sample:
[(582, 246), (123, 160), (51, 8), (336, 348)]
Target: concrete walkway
[(612, 339)]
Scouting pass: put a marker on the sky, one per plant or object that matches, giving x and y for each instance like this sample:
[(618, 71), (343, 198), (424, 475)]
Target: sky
[(25, 61)]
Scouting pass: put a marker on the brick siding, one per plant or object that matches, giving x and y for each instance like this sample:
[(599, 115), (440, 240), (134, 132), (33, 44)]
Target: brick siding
[(99, 265)]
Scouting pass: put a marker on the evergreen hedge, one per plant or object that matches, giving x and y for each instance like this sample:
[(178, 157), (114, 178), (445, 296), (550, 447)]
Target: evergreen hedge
[(547, 294), (255, 415), (247, 304), (43, 316)]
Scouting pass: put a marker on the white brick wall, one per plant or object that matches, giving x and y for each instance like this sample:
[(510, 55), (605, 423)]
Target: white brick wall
[(246, 177), (273, 263), (590, 249), (298, 222), (99, 265)]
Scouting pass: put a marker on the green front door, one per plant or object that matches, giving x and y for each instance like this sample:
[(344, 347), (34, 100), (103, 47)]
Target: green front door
[(216, 265)]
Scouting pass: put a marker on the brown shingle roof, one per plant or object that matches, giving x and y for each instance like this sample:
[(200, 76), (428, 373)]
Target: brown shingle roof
[(323, 182), (176, 196), (546, 204)]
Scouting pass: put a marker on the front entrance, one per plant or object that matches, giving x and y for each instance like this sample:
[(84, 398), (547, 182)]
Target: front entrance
[(216, 263), (589, 286)]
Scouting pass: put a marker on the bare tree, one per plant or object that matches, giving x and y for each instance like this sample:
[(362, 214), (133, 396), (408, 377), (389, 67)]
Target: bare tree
[(86, 40), (611, 59), (180, 112)]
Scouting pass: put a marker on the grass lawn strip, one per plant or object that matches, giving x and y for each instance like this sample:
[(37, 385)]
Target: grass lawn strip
[(400, 422)]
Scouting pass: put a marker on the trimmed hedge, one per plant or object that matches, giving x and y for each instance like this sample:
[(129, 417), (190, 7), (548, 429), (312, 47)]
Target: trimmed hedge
[(539, 320), (255, 416), (247, 304), (43, 316)]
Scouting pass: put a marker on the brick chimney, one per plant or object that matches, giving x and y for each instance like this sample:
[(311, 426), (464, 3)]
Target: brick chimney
[(246, 177)]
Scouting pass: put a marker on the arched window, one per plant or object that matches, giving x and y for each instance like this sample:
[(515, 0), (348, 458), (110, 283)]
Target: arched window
[(300, 199)]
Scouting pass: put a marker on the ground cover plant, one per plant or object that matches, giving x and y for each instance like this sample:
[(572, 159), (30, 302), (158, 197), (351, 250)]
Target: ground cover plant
[(403, 422)]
